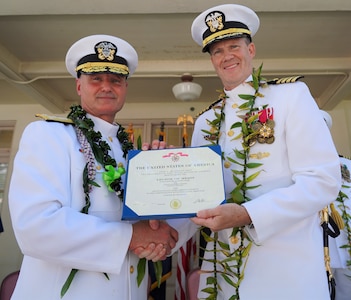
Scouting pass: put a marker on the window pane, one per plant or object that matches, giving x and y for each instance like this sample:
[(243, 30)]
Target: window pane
[(149, 130), (6, 133), (134, 131), (173, 134), (3, 172), (5, 138)]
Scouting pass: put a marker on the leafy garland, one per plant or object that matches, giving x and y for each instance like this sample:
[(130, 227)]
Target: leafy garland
[(93, 147), (234, 263), (346, 217)]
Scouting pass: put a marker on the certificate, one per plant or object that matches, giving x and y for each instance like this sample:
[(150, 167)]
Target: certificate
[(173, 183)]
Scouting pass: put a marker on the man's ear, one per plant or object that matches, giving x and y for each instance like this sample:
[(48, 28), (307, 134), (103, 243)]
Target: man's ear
[(252, 50), (78, 85)]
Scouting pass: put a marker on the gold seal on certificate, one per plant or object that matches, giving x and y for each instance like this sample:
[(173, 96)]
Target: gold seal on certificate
[(173, 183)]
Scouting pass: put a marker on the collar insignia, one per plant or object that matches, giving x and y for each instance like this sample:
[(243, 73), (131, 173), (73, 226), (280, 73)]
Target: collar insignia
[(105, 50), (345, 173), (210, 137), (215, 21)]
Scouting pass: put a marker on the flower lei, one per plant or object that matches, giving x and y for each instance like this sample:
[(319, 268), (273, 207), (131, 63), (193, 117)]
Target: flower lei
[(94, 148), (252, 130)]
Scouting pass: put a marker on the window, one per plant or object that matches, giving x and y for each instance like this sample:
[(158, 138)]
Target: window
[(173, 134), (3, 172), (6, 133), (149, 130)]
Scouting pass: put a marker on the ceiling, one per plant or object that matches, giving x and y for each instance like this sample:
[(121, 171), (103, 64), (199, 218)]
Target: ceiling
[(309, 38)]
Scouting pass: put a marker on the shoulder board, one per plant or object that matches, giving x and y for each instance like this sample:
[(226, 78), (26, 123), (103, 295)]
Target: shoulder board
[(346, 157), (284, 80), (54, 119), (208, 107)]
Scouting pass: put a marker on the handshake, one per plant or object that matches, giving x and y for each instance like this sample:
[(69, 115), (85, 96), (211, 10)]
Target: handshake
[(153, 239)]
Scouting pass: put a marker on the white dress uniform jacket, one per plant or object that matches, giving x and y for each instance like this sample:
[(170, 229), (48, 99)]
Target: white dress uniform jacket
[(300, 175), (45, 198)]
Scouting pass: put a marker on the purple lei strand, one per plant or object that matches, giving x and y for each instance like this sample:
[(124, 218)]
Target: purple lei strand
[(88, 154)]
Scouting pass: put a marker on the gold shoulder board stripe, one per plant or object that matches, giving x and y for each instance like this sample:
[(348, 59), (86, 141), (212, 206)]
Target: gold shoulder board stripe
[(208, 107), (54, 118), (284, 80), (343, 156)]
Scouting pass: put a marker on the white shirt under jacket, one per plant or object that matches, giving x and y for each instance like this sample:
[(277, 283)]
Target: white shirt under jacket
[(300, 175), (45, 199)]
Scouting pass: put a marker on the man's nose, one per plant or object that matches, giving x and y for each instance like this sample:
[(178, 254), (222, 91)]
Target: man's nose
[(228, 54), (106, 85)]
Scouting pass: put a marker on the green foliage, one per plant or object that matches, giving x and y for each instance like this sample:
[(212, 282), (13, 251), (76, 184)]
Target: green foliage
[(68, 282), (100, 150), (342, 197), (139, 143), (141, 268), (232, 267), (158, 272)]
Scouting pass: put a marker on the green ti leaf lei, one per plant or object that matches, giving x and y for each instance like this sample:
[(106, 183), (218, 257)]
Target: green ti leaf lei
[(233, 265), (93, 147), (141, 268), (346, 217)]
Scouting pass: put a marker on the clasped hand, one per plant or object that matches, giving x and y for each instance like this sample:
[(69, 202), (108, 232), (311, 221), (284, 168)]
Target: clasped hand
[(153, 239)]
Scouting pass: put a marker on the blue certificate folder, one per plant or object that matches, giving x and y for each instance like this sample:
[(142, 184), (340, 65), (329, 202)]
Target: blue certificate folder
[(173, 183)]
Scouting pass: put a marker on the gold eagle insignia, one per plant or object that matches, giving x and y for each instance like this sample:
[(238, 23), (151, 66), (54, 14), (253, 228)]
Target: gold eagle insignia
[(214, 21)]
